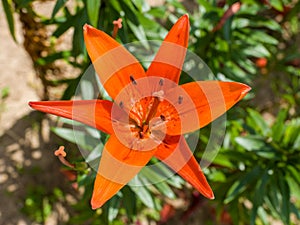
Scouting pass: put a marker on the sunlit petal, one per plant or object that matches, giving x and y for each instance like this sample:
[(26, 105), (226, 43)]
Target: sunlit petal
[(113, 63), (196, 104), (176, 153), (118, 166), (170, 57), (95, 113)]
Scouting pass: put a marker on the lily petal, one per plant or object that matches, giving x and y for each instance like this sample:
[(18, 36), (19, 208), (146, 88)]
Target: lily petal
[(199, 103), (117, 167), (170, 57), (115, 66), (95, 113), (176, 153)]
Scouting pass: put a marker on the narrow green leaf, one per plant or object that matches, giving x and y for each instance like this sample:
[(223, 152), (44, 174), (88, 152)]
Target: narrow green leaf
[(63, 27), (263, 215), (87, 89), (129, 201), (251, 142), (257, 122), (291, 132), (93, 8), (59, 4), (296, 145), (263, 37), (7, 6), (113, 209), (142, 192), (260, 191), (93, 157), (139, 32), (257, 51), (285, 204), (242, 183), (77, 137), (165, 189), (71, 89), (278, 128), (277, 4)]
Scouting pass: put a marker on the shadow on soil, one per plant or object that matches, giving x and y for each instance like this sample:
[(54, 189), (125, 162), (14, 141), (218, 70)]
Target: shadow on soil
[(32, 187)]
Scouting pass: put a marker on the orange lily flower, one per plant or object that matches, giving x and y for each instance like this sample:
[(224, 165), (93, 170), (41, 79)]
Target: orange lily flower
[(150, 112)]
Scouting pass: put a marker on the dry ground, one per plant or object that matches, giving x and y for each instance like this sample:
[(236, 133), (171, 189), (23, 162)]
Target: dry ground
[(26, 155)]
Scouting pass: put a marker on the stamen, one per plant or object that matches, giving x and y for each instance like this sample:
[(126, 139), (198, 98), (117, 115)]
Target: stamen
[(161, 82), (61, 154), (162, 117), (132, 80), (180, 99), (121, 104), (117, 25), (159, 95)]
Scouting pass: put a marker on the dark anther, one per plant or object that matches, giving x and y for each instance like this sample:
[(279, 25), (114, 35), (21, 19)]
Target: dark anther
[(180, 99), (162, 117), (121, 104), (132, 80), (161, 82)]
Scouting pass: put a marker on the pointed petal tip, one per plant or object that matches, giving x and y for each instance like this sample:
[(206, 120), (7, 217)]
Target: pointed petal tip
[(96, 203), (34, 104), (186, 16), (86, 28), (184, 19), (211, 196), (208, 193), (244, 90)]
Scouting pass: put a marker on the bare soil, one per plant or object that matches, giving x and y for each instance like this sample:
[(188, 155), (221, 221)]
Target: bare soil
[(27, 164)]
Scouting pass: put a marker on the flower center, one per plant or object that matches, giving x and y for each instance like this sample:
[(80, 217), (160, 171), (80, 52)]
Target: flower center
[(143, 123), (142, 112)]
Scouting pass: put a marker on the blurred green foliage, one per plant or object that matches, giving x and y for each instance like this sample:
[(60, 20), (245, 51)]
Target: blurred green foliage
[(256, 174)]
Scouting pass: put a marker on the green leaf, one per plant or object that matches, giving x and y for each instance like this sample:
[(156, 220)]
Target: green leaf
[(94, 156), (142, 192), (285, 204), (87, 89), (77, 137), (63, 27), (59, 4), (278, 128), (263, 215), (257, 122), (165, 190), (297, 143), (7, 6), (242, 183), (263, 37), (52, 57), (93, 8), (113, 209), (71, 89), (23, 3), (129, 201), (260, 191), (173, 179), (251, 142), (277, 4), (258, 51), (139, 32), (291, 132)]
